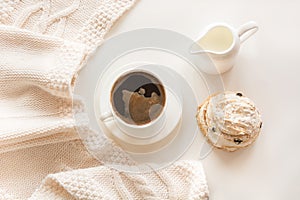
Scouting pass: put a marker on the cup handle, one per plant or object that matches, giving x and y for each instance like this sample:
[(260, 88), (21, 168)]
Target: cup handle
[(108, 116), (247, 30)]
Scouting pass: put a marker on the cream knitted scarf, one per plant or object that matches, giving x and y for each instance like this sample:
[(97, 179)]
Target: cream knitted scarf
[(43, 44)]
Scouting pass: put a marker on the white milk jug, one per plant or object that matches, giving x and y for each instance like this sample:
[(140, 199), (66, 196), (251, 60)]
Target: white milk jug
[(222, 42)]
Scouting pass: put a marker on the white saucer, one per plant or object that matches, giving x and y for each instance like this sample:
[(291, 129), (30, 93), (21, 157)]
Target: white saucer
[(171, 145)]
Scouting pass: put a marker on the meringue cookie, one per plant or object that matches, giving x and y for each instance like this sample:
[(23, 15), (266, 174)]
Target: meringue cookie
[(229, 120)]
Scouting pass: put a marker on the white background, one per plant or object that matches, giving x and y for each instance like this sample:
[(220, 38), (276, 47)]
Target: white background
[(267, 71)]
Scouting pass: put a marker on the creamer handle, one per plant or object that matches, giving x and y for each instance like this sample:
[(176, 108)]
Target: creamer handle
[(247, 30)]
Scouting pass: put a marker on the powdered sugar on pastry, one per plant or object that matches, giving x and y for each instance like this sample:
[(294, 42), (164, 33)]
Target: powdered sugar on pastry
[(229, 120)]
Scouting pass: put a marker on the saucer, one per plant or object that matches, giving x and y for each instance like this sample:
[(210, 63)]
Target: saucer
[(180, 129), (182, 133)]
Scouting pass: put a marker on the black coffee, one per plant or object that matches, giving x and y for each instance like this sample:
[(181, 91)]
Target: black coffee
[(138, 98)]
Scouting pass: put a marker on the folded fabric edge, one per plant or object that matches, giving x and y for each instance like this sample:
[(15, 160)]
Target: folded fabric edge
[(86, 184)]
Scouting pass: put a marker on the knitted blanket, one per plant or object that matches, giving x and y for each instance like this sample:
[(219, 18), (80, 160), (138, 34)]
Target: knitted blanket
[(43, 44)]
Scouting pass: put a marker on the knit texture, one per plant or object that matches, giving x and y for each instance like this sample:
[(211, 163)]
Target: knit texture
[(43, 45), (106, 183)]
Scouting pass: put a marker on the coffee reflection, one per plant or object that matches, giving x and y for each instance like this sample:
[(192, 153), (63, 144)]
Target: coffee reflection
[(138, 98)]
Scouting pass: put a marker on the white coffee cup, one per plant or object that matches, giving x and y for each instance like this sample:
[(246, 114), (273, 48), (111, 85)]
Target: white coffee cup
[(221, 42), (143, 131)]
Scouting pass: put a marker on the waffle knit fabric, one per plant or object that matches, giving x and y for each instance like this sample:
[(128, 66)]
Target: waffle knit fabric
[(43, 44)]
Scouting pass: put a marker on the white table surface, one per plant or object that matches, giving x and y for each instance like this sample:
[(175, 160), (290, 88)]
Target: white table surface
[(267, 71)]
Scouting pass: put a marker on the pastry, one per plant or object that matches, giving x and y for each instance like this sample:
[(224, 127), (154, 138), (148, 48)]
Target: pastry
[(229, 120)]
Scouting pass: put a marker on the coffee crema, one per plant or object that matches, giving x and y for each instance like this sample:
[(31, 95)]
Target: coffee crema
[(138, 97)]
